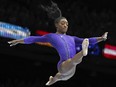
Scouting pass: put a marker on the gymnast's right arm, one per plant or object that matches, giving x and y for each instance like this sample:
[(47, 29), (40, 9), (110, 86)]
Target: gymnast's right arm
[(29, 40)]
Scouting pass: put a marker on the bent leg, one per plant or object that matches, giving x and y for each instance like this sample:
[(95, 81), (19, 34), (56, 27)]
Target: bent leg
[(72, 62), (78, 57), (66, 70), (68, 67)]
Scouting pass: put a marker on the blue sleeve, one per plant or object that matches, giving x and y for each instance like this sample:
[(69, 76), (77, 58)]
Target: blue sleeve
[(92, 40), (79, 41), (33, 39)]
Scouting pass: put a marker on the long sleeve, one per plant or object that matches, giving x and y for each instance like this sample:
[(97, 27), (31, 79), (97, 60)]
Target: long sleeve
[(33, 39), (92, 40), (78, 42)]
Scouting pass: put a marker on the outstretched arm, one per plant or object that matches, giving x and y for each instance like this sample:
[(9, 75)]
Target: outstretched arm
[(92, 40), (29, 40)]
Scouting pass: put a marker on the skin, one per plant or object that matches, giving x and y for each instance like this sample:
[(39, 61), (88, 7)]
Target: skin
[(67, 68), (62, 26)]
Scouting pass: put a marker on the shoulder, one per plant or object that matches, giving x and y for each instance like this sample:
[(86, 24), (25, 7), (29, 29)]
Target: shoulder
[(71, 36), (50, 35)]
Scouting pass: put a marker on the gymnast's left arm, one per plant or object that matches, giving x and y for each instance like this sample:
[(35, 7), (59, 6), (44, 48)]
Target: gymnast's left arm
[(94, 40), (103, 37)]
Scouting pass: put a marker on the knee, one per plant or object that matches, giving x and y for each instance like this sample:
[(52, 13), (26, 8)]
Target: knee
[(61, 77), (77, 62), (65, 78)]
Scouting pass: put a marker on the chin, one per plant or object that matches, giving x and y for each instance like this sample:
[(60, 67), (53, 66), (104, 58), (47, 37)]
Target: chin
[(64, 32)]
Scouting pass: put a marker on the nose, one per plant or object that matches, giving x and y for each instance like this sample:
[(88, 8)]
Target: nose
[(65, 26)]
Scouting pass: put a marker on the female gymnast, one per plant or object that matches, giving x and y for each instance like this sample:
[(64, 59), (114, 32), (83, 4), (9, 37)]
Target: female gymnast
[(64, 44)]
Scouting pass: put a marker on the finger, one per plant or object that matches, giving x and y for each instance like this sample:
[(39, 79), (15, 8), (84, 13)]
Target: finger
[(106, 32), (13, 41), (9, 42), (13, 44)]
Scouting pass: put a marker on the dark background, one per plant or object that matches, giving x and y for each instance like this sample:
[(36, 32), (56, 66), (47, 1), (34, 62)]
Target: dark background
[(31, 65)]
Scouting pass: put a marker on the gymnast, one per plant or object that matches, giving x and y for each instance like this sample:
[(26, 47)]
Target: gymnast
[(64, 44)]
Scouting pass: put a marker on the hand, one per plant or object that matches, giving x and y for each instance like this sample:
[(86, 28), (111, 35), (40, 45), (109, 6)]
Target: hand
[(13, 42), (104, 36)]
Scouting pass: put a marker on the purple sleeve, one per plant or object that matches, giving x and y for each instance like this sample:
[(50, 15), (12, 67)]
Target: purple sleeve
[(92, 40), (78, 40), (33, 39)]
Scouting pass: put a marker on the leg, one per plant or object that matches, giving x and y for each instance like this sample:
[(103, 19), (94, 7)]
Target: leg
[(78, 57), (66, 71), (68, 64), (60, 77), (68, 67)]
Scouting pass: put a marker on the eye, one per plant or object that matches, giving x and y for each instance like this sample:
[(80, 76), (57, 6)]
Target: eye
[(62, 23)]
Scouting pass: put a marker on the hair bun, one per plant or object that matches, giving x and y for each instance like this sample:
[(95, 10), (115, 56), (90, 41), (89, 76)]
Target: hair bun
[(53, 11)]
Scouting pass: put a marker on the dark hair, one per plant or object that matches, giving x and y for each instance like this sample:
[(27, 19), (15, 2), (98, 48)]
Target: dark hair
[(58, 19), (53, 12)]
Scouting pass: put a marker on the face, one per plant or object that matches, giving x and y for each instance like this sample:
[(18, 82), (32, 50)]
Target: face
[(62, 26)]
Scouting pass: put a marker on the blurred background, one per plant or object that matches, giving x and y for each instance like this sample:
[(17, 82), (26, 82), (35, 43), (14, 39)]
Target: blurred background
[(31, 65)]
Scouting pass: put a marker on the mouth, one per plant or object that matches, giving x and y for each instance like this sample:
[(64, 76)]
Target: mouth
[(65, 27)]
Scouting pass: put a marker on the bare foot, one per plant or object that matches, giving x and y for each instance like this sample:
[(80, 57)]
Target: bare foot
[(85, 45), (50, 81)]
